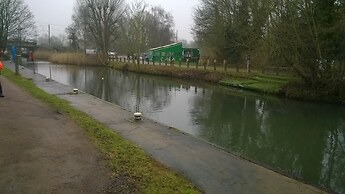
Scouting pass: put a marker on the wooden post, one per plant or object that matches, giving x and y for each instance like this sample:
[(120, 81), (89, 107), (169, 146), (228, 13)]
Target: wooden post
[(207, 63), (225, 66), (248, 63), (179, 62), (214, 64), (187, 61), (197, 64)]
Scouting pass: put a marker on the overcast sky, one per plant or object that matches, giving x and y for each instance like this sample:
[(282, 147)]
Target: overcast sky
[(58, 14)]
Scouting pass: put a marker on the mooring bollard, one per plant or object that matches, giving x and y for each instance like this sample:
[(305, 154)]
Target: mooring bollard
[(137, 116)]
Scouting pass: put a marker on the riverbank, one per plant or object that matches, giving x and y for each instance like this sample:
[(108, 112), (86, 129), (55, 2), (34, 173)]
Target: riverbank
[(256, 82), (132, 169), (284, 86)]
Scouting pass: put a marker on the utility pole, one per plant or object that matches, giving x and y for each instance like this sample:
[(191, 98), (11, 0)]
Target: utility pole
[(49, 43)]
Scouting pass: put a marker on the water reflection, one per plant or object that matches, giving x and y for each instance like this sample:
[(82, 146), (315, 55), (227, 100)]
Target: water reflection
[(304, 140)]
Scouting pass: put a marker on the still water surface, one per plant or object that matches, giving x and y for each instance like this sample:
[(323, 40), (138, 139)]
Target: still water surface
[(300, 139)]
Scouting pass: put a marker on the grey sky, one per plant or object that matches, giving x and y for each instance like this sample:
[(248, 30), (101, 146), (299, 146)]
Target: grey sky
[(58, 13)]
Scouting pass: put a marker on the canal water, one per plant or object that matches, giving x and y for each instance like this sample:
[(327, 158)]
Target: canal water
[(300, 139)]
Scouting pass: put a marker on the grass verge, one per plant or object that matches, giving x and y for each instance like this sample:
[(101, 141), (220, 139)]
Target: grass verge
[(123, 158)]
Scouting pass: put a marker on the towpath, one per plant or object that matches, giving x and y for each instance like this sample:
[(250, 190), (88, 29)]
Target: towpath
[(42, 151)]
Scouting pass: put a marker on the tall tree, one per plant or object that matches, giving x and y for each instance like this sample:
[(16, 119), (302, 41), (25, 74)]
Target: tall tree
[(144, 28), (138, 31), (160, 27), (99, 19), (16, 21), (72, 34), (307, 35)]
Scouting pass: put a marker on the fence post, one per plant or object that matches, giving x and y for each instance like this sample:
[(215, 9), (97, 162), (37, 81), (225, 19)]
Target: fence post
[(248, 63), (207, 63), (225, 66), (187, 61), (214, 64), (197, 64)]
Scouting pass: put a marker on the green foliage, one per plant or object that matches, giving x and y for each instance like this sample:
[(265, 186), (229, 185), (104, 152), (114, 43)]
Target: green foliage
[(122, 157), (307, 36)]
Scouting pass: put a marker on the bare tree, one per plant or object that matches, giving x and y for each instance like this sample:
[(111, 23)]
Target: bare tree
[(72, 35), (161, 27), (99, 20), (138, 30), (145, 27), (16, 21)]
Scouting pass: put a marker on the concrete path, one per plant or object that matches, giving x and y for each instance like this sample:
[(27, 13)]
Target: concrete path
[(42, 151), (208, 167)]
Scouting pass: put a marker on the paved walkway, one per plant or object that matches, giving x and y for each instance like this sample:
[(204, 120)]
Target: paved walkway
[(42, 151), (208, 167)]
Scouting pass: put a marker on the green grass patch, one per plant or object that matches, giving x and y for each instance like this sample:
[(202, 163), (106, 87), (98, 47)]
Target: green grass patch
[(261, 85), (122, 157)]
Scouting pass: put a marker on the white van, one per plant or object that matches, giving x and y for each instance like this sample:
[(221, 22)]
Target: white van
[(90, 51)]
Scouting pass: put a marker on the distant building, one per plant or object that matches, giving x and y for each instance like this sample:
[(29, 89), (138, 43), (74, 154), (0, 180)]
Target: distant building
[(174, 52)]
